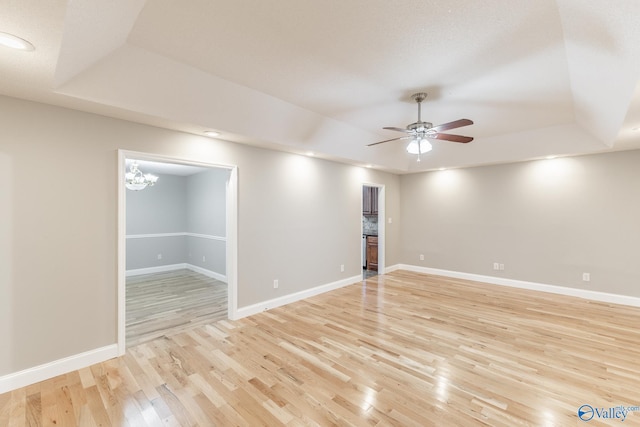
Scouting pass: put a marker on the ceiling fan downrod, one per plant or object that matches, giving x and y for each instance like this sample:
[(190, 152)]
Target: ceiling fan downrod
[(419, 97)]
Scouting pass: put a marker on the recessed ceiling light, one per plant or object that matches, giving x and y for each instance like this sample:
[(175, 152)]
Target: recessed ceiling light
[(15, 42), (443, 169), (369, 166), (550, 157), (310, 153), (211, 133)]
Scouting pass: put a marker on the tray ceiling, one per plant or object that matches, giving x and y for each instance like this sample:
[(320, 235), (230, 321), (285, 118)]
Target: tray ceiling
[(551, 77)]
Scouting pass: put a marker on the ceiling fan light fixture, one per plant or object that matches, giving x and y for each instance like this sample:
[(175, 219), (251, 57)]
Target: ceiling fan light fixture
[(421, 147)]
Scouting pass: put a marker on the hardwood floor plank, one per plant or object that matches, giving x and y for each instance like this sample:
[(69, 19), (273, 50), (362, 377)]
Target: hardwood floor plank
[(97, 407), (33, 410), (17, 407), (5, 407), (177, 408), (401, 349)]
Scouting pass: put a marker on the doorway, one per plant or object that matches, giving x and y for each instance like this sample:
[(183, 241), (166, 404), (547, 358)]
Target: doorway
[(372, 254), (197, 265)]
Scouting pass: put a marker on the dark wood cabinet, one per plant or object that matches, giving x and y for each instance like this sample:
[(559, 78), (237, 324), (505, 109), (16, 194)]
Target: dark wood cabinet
[(372, 253), (366, 200), (369, 200), (374, 200)]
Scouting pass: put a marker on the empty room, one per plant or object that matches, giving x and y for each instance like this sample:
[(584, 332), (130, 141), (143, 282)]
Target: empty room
[(296, 213), (175, 248)]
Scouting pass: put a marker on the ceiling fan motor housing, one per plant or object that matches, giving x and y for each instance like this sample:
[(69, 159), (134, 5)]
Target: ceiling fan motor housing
[(419, 97), (420, 126)]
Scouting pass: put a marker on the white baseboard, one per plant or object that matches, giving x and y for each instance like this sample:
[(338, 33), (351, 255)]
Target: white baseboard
[(173, 267), (208, 273), (554, 289), (297, 296), (57, 367), (158, 269), (392, 268)]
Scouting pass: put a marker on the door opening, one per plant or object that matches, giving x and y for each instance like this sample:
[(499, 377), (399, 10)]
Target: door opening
[(167, 241), (372, 230)]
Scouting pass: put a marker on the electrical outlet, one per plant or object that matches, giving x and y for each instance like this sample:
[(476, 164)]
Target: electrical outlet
[(586, 277), (496, 266), (421, 257), (275, 284), (390, 220), (501, 266), (159, 256), (204, 259), (342, 268)]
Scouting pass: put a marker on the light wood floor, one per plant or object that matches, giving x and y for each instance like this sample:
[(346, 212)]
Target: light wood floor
[(402, 349), (165, 303)]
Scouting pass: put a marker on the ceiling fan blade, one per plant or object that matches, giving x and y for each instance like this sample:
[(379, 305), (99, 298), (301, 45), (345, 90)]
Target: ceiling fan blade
[(449, 137), (389, 140), (451, 125), (399, 129)]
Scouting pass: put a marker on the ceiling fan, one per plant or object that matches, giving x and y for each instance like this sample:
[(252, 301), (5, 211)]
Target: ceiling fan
[(419, 132)]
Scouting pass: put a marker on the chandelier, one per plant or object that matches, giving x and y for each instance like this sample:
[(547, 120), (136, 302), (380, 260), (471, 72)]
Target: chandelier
[(135, 180)]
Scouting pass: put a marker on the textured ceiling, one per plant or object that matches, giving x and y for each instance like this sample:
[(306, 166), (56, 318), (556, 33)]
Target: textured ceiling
[(549, 77)]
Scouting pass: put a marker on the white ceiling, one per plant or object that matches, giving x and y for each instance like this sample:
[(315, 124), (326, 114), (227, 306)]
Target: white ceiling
[(549, 77)]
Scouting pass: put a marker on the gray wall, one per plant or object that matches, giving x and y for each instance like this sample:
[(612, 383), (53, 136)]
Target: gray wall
[(157, 210), (547, 221), (179, 204), (299, 219), (143, 252), (206, 202), (206, 214)]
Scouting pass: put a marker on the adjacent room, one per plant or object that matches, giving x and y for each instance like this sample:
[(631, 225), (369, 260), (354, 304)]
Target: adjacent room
[(176, 248), (319, 213)]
